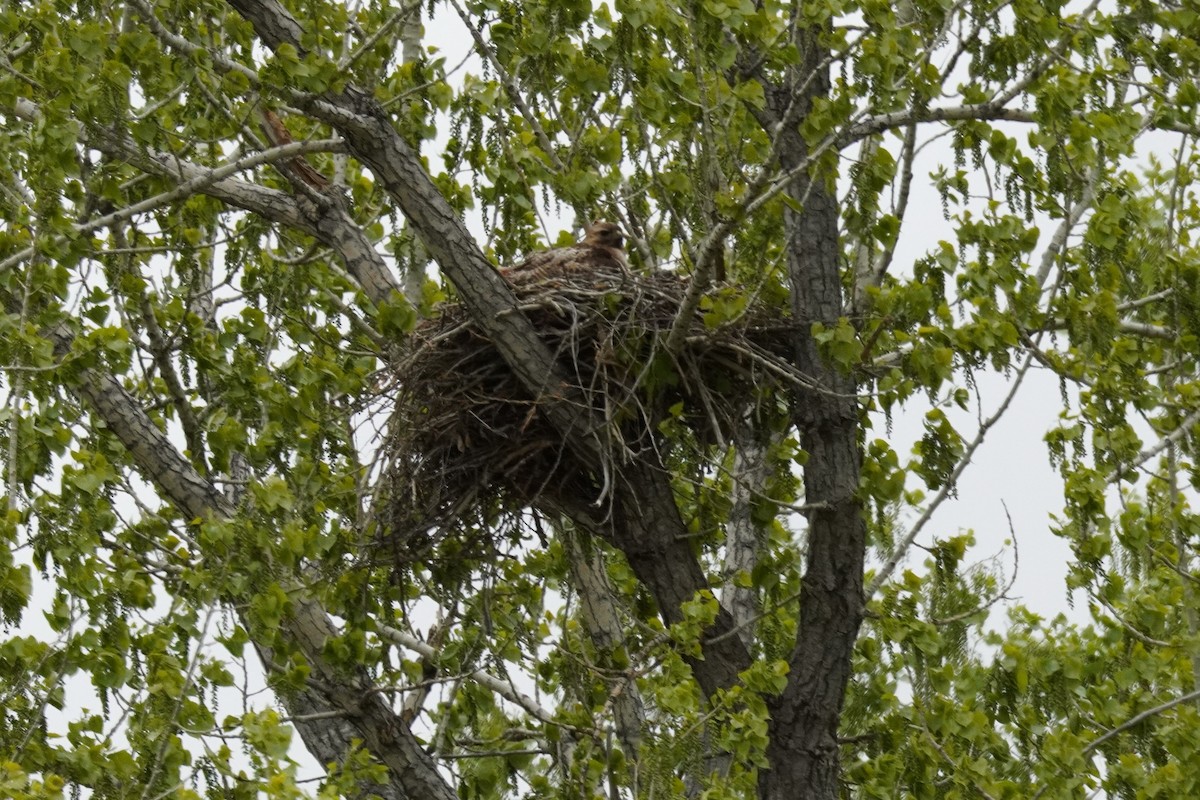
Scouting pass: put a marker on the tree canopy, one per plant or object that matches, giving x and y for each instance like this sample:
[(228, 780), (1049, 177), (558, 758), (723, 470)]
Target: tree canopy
[(231, 230)]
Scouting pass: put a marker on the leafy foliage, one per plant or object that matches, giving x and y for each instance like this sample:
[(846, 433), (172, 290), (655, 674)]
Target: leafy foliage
[(1057, 144)]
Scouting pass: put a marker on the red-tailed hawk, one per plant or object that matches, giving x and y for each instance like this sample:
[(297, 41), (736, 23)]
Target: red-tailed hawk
[(599, 252)]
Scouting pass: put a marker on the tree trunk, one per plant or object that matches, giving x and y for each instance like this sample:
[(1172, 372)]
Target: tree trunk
[(803, 749)]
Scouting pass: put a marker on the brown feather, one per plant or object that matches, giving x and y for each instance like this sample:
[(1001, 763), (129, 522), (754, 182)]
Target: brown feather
[(600, 250)]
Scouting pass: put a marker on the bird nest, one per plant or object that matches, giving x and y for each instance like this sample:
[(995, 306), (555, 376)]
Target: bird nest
[(469, 443)]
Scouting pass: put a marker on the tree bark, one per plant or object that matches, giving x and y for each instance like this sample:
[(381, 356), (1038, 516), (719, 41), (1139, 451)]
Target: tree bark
[(744, 538), (645, 525), (803, 749), (648, 529), (602, 621)]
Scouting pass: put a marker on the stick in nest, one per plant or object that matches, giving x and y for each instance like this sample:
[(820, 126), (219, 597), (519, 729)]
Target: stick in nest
[(466, 437)]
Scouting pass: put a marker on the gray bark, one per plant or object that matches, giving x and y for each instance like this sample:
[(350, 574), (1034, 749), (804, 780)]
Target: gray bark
[(645, 521), (803, 750), (744, 538), (603, 624)]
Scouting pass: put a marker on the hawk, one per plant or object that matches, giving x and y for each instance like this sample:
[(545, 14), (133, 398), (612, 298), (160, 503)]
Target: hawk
[(599, 252)]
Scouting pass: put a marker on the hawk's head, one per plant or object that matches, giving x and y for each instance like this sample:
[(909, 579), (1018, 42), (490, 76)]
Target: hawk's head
[(604, 234)]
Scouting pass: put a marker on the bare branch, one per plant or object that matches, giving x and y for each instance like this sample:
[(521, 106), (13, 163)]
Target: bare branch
[(511, 89), (1058, 242), (1183, 429), (951, 480), (491, 682)]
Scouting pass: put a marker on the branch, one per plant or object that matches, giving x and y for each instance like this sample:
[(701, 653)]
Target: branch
[(1147, 330), (1033, 355), (146, 11), (1150, 452), (660, 553), (1059, 241), (484, 292), (329, 223), (152, 451), (745, 539), (1140, 718), (603, 625), (898, 552), (979, 112), (1133, 721), (488, 681), (879, 268), (380, 729), (511, 89), (273, 205), (366, 716), (406, 14), (765, 187), (901, 119)]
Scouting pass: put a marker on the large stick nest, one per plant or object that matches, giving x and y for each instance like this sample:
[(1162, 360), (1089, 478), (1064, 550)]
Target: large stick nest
[(469, 442)]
